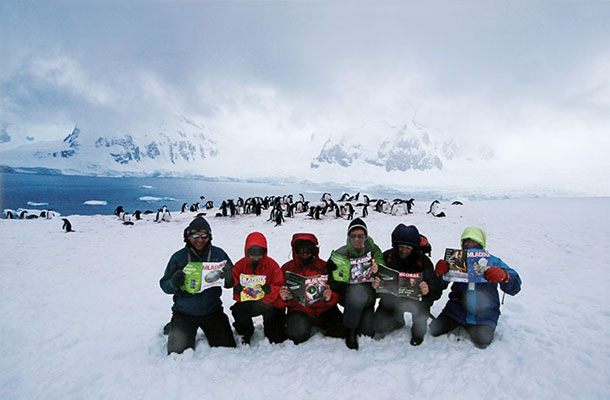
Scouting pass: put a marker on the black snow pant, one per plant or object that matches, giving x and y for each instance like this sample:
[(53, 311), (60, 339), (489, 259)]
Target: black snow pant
[(273, 320), (299, 325), (390, 315), (358, 301), (183, 329), (481, 335)]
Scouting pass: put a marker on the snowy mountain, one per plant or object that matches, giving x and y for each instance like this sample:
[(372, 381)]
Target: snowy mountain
[(395, 148), (172, 148)]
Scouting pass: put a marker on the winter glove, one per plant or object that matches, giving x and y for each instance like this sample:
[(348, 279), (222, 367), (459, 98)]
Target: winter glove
[(238, 289), (266, 288), (496, 275), (442, 266), (178, 279)]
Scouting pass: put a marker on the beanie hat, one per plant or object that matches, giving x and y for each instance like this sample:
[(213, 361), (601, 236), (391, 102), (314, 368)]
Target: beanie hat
[(475, 233), (406, 235), (357, 224), (199, 224)]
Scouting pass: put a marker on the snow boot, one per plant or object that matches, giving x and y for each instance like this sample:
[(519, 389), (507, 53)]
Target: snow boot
[(351, 341)]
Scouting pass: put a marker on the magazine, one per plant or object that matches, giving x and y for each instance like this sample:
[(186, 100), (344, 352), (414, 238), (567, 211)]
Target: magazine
[(466, 265), (403, 284), (306, 290), (252, 287), (199, 276), (353, 270)]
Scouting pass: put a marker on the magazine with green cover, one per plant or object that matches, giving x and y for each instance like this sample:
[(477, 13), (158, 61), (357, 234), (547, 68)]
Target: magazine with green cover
[(199, 276)]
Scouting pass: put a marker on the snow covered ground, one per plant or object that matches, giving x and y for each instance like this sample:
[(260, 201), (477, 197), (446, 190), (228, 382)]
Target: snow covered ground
[(82, 313)]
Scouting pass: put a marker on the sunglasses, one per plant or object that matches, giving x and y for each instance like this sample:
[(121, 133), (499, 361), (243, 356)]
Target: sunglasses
[(357, 236), (198, 236)]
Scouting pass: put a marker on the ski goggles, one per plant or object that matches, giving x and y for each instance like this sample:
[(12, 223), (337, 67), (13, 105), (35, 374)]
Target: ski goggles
[(200, 236)]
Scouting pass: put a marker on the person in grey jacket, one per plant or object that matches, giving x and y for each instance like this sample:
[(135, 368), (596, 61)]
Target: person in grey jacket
[(192, 310)]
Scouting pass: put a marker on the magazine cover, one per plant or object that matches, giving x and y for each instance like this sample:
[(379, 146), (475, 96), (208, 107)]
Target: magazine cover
[(360, 269), (253, 287), (306, 291), (199, 276), (296, 286), (314, 288), (478, 263), (458, 268), (403, 284), (466, 265)]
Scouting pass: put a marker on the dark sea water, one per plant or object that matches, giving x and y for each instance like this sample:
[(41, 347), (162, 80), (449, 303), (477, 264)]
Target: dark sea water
[(67, 194)]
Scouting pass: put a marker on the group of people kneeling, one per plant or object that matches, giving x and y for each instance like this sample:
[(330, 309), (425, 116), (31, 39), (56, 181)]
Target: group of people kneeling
[(476, 307)]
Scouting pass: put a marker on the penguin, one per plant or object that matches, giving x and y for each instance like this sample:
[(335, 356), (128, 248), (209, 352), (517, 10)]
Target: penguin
[(137, 214), (350, 210), (23, 214), (279, 217), (410, 204), (9, 214), (67, 226), (163, 215), (184, 207), (118, 211), (302, 197), (457, 203), (433, 207)]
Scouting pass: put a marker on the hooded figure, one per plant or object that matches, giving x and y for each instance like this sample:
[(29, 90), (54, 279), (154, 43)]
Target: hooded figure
[(406, 256), (322, 313), (476, 306), (257, 299)]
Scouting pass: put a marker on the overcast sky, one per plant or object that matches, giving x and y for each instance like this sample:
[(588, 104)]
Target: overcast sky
[(528, 77)]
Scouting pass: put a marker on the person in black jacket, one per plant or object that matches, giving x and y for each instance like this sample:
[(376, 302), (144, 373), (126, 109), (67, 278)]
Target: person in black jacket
[(406, 255), (199, 309)]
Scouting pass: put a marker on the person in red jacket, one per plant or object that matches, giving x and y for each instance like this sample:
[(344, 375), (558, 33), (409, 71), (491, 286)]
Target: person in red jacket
[(323, 314), (257, 300)]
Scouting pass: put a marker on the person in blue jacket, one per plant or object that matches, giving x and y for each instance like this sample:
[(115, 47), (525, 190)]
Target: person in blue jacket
[(476, 306), (197, 310)]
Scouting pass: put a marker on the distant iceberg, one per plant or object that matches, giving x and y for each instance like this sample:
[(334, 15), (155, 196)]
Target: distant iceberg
[(96, 202), (146, 187), (151, 199), (34, 204)]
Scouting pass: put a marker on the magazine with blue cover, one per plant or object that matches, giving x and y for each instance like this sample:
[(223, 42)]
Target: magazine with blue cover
[(466, 265)]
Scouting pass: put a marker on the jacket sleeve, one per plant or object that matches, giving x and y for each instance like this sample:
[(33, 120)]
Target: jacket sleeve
[(276, 281), (228, 273), (513, 286), (235, 272), (335, 286), (166, 280), (435, 283)]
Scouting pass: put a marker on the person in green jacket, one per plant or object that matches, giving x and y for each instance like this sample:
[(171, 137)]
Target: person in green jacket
[(350, 270)]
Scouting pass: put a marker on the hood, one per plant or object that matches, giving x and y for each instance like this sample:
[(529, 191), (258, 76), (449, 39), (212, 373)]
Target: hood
[(255, 239), (310, 237), (475, 233)]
